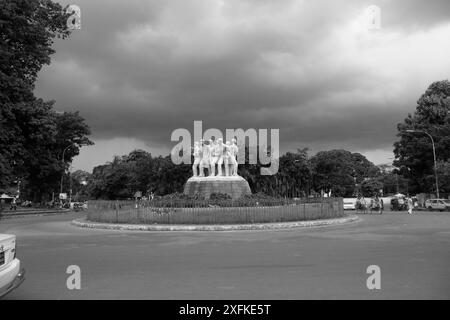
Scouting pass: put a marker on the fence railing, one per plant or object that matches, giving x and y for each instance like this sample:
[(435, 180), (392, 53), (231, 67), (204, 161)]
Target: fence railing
[(216, 212)]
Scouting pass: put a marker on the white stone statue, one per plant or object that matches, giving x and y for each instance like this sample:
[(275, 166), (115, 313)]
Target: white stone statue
[(208, 154), (197, 158), (233, 157), (220, 150), (206, 158), (215, 156), (227, 159)]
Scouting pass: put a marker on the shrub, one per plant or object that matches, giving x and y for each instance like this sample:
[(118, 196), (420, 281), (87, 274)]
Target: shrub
[(260, 196), (180, 200), (219, 196), (180, 196)]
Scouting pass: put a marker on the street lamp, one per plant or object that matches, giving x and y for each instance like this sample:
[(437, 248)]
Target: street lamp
[(434, 157), (62, 176)]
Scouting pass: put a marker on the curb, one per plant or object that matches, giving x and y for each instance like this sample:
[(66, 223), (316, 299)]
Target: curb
[(34, 214), (83, 223)]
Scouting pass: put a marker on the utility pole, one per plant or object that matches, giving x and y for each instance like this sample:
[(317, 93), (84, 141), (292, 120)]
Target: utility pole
[(70, 186)]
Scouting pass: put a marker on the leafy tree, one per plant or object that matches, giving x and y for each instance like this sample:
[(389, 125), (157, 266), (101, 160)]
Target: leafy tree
[(443, 171), (32, 136), (294, 173), (393, 182), (371, 187), (292, 178), (110, 180), (66, 132), (339, 171), (78, 181), (138, 171), (413, 152), (29, 28)]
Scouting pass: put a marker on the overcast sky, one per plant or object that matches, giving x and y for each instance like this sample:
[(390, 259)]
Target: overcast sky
[(137, 70)]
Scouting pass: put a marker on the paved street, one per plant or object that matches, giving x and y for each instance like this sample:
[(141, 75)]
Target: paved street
[(320, 263)]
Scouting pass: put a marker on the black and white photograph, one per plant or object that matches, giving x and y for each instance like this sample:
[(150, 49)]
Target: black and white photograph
[(224, 155)]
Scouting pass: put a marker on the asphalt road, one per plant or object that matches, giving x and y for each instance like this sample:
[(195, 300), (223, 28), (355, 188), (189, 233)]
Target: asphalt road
[(413, 253)]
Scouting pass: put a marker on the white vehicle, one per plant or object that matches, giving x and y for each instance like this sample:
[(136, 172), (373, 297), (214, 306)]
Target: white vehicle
[(437, 204), (11, 274), (349, 203)]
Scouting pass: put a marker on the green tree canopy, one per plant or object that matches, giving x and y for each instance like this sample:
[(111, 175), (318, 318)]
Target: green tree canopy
[(32, 136), (413, 152), (137, 171), (339, 171), (443, 170), (371, 187)]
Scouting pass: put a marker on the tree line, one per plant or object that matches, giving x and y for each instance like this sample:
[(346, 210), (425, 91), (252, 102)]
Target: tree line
[(339, 172)]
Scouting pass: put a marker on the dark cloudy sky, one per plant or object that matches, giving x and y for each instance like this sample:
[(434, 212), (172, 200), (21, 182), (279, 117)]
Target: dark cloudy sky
[(138, 69)]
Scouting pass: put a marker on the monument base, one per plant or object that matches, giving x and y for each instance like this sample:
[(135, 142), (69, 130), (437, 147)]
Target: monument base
[(235, 186)]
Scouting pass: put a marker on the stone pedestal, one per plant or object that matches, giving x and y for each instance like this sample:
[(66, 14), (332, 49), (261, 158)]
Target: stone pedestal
[(235, 186)]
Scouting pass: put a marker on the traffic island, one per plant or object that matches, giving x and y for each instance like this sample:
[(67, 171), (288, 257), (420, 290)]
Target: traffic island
[(84, 223)]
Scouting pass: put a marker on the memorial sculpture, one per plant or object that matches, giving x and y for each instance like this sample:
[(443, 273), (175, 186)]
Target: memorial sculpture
[(227, 159), (208, 156), (197, 157), (233, 154), (220, 161)]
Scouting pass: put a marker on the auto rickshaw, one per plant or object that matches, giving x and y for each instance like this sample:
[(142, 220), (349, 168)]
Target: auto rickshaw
[(398, 204)]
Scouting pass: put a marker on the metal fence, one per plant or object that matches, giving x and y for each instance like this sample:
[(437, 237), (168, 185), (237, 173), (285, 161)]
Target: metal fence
[(217, 212)]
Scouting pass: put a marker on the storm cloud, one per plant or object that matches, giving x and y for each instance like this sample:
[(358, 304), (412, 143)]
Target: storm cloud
[(137, 70)]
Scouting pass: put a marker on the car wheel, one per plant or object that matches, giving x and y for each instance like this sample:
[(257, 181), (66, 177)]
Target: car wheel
[(430, 208)]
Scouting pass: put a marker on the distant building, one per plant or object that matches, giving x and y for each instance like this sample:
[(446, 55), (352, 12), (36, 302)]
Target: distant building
[(4, 198)]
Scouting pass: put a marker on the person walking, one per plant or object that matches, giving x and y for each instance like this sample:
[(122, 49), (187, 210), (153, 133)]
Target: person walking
[(381, 206), (378, 204), (410, 205), (13, 204)]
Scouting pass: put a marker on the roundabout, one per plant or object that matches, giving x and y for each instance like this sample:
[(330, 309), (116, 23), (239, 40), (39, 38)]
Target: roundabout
[(297, 263), (215, 214), (220, 200), (231, 227)]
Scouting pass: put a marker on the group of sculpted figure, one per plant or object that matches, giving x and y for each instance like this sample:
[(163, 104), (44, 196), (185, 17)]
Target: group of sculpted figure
[(208, 154)]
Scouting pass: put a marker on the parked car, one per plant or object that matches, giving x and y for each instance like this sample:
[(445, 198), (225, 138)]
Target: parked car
[(11, 273), (78, 206), (349, 203), (437, 204)]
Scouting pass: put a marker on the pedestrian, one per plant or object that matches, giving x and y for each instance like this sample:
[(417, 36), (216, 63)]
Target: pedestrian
[(13, 204), (410, 205), (381, 206), (377, 204), (372, 205)]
